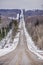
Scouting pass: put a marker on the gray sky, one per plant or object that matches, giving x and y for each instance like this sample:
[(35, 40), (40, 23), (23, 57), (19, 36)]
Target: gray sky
[(24, 4)]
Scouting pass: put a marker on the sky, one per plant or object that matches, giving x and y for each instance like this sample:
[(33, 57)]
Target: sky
[(21, 4)]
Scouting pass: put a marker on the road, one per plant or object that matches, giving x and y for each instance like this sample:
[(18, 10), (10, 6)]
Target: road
[(21, 55)]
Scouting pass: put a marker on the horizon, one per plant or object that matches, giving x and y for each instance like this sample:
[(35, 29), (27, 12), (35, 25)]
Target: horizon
[(18, 8)]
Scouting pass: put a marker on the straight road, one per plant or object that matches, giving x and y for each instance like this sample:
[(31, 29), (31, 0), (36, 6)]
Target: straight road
[(21, 55)]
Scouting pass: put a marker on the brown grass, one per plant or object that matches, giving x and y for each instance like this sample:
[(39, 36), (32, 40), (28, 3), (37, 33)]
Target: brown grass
[(36, 30)]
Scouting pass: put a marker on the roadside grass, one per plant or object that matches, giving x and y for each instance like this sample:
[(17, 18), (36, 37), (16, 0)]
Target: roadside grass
[(36, 32)]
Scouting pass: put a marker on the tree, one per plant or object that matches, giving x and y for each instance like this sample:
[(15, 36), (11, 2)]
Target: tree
[(14, 27), (0, 19), (3, 33), (37, 23)]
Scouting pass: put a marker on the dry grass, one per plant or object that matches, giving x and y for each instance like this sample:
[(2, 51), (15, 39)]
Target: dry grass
[(36, 33)]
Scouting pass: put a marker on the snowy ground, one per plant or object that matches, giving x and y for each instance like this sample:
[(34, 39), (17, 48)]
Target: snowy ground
[(31, 45), (11, 45), (5, 39)]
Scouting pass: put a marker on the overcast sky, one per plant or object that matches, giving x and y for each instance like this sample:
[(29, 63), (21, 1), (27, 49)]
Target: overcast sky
[(24, 4)]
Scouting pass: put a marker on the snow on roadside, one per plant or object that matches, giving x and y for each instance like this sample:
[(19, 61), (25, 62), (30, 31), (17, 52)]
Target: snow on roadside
[(5, 39), (9, 47), (30, 44)]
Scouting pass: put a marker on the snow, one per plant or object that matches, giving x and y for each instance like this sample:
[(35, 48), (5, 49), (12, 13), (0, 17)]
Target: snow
[(5, 39), (14, 17), (7, 50), (9, 47), (31, 45)]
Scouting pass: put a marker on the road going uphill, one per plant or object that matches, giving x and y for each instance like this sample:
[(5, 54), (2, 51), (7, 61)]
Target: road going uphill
[(21, 55)]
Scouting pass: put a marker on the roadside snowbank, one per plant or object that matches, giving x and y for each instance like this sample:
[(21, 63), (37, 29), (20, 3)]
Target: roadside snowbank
[(5, 39), (31, 45), (9, 47)]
